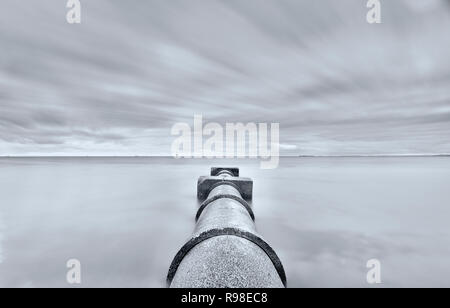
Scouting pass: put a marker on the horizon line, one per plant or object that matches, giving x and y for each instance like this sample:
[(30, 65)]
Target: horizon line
[(242, 157)]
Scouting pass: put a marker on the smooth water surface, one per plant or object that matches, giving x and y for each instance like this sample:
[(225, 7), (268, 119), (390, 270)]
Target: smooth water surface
[(125, 218)]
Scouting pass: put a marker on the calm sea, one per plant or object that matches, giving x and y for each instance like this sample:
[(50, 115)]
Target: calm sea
[(125, 218)]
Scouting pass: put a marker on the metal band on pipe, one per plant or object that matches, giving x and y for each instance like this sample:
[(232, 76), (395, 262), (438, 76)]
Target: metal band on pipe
[(223, 172), (220, 232), (224, 196), (224, 182)]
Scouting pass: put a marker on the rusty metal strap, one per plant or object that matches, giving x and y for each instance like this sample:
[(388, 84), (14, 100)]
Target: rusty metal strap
[(226, 231), (224, 196)]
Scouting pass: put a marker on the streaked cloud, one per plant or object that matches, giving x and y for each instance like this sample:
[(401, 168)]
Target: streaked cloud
[(115, 84)]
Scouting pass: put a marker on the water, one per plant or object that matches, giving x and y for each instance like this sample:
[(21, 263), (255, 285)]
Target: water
[(125, 218)]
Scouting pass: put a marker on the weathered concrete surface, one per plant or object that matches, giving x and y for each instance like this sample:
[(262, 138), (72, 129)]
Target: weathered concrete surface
[(227, 196), (216, 170), (226, 262), (225, 213), (244, 185), (225, 249)]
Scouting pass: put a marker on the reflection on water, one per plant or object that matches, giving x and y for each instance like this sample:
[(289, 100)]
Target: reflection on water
[(125, 218), (1, 238)]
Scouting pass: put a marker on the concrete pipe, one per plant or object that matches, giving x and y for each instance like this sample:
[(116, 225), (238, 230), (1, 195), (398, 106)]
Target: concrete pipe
[(225, 250)]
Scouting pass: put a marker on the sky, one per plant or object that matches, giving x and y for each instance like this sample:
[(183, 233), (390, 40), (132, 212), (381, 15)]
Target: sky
[(116, 83)]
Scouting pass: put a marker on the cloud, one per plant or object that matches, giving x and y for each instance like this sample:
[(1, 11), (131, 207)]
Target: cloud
[(119, 80)]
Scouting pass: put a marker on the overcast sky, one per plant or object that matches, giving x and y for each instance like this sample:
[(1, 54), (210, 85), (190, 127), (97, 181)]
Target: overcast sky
[(117, 83)]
